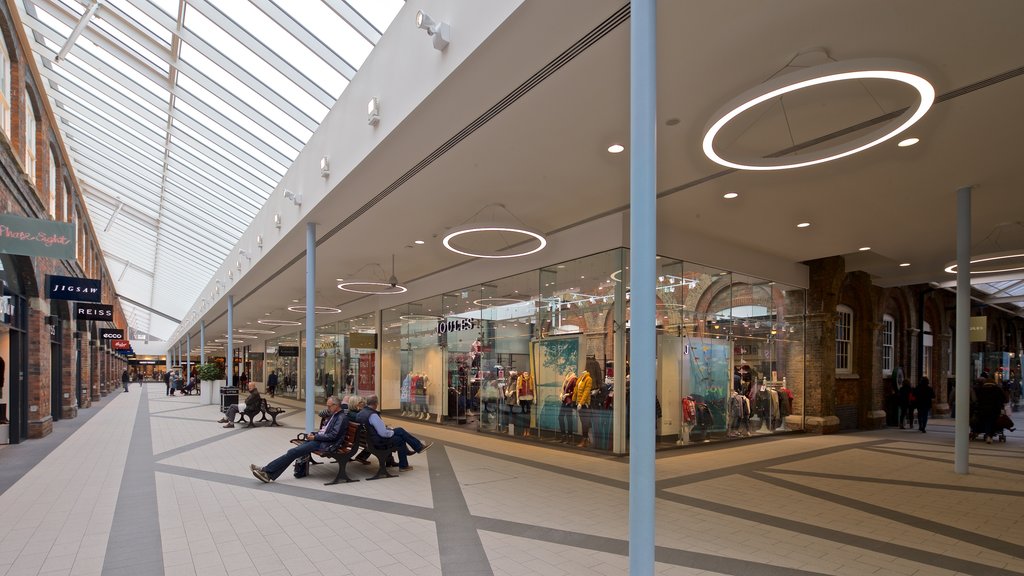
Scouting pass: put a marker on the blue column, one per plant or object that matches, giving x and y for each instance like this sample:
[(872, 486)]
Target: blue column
[(963, 328), (230, 355), (202, 341), (310, 323), (188, 355), (643, 245)]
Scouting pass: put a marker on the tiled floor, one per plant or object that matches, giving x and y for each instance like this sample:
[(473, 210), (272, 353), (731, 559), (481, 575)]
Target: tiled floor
[(152, 485)]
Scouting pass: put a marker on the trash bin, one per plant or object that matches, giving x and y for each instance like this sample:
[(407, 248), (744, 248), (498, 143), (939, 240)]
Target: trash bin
[(228, 396)]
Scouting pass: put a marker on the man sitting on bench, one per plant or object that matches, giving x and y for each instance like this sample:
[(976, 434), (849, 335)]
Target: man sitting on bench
[(399, 439), (252, 407), (329, 434)]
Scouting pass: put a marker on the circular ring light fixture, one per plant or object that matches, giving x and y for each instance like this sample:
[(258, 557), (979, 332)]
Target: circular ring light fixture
[(871, 68), (254, 331), (484, 229), (316, 309), (497, 301), (414, 317), (994, 263), (272, 322), (243, 336), (361, 287)]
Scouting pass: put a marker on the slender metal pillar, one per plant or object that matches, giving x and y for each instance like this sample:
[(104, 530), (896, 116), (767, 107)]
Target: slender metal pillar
[(310, 323), (202, 341), (230, 355), (963, 328), (619, 445), (642, 248), (188, 356)]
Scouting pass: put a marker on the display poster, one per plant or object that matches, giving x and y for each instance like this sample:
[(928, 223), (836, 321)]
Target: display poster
[(362, 340), (979, 328), (552, 359), (367, 368), (72, 288), (35, 237)]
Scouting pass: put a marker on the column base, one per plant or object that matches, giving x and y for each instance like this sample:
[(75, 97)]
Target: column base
[(875, 420), (821, 424), (941, 409), (40, 428)]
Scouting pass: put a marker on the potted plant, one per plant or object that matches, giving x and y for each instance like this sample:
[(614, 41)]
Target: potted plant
[(210, 372)]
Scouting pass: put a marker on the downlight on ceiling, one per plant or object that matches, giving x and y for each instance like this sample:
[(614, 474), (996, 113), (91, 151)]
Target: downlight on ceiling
[(616, 148), (871, 68), (993, 263), (908, 142), (730, 195)]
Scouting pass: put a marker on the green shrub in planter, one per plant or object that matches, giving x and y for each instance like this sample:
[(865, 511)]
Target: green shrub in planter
[(210, 372)]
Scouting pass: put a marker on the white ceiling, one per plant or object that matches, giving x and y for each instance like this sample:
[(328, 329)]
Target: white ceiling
[(543, 152)]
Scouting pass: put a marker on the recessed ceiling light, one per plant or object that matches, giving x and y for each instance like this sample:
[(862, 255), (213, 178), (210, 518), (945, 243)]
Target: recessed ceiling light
[(905, 264), (908, 142), (803, 225), (864, 248), (616, 148), (729, 195), (419, 242)]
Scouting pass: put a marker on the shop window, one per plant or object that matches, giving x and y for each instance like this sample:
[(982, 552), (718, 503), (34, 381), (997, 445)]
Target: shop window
[(888, 337), (51, 186), (844, 339), (29, 153), (5, 89)]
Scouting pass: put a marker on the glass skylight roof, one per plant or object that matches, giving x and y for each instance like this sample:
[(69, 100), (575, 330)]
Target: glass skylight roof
[(162, 118)]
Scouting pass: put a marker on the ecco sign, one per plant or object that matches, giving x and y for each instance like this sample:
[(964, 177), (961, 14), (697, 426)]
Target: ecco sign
[(89, 311), (108, 334), (456, 325)]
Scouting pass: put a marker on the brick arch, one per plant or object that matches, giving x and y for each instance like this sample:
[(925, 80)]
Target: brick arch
[(20, 273)]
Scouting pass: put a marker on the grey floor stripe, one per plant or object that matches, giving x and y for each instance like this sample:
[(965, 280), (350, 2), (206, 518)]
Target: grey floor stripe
[(892, 482), (686, 558), (989, 542), (20, 458), (840, 537), (458, 541), (134, 546), (192, 445), (949, 460)]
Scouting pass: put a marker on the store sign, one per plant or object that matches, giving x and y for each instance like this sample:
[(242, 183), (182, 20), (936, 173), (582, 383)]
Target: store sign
[(455, 325), (71, 288), (362, 340), (120, 345), (35, 237), (288, 351), (112, 334), (979, 328), (255, 356), (88, 311)]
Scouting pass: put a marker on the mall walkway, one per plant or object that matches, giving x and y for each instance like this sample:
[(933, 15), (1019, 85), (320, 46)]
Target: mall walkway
[(152, 485)]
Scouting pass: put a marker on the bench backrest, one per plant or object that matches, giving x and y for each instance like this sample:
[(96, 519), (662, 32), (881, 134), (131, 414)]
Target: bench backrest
[(373, 440)]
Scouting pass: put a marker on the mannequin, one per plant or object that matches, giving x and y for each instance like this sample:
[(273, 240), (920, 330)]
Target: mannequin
[(524, 390), (566, 423), (581, 397)]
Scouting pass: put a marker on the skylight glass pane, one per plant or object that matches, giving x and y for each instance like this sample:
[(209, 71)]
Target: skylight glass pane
[(102, 82), (69, 83), (145, 21), (144, 81), (242, 120), (380, 13), (255, 154), (332, 31), (249, 95), (158, 61), (51, 21)]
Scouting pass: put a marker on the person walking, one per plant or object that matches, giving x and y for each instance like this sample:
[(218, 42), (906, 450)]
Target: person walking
[(904, 398), (272, 383), (924, 395), (124, 379)]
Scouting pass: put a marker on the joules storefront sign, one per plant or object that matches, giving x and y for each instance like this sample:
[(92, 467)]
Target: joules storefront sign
[(455, 325)]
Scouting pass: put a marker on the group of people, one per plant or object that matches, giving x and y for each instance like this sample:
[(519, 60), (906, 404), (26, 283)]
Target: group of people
[(333, 429), (915, 398)]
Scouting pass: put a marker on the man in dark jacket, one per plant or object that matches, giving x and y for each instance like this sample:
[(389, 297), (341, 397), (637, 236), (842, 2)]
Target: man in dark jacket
[(923, 394), (394, 438), (252, 406), (330, 433)]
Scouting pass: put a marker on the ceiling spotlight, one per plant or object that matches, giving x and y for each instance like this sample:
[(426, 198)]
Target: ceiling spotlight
[(908, 142), (864, 248), (418, 242), (325, 167), (295, 198), (373, 111), (730, 195), (439, 32), (803, 225), (904, 265), (616, 148)]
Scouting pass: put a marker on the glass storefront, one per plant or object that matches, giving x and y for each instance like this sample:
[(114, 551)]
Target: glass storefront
[(346, 359), (534, 355)]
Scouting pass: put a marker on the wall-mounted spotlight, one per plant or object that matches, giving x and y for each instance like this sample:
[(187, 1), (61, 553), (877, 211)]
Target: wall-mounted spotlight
[(259, 240), (277, 221), (295, 198), (439, 32), (325, 167), (373, 111)]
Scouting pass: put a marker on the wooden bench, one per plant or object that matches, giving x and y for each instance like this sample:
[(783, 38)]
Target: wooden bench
[(344, 451)]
